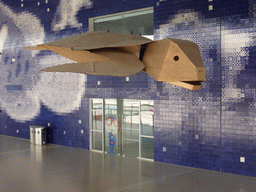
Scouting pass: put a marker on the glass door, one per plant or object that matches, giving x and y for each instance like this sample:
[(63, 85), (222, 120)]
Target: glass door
[(147, 129), (96, 125), (131, 126), (122, 126), (111, 126)]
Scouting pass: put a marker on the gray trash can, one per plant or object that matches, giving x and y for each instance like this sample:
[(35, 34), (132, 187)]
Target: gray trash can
[(37, 135)]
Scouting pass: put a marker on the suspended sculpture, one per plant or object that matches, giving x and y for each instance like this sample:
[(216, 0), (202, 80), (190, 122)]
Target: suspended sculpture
[(172, 61)]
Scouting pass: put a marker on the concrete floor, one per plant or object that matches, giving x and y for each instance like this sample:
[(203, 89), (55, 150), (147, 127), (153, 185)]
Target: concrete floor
[(26, 167)]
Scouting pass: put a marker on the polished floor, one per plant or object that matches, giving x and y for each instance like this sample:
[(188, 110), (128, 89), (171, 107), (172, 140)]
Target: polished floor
[(29, 168)]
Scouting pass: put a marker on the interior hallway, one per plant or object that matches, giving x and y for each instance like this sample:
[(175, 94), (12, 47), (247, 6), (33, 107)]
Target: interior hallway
[(27, 168)]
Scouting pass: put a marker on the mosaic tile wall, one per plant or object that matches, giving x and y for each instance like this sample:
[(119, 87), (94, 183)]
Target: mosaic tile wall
[(213, 128)]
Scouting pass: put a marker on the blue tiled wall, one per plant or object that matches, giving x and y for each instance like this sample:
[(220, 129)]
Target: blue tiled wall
[(210, 129)]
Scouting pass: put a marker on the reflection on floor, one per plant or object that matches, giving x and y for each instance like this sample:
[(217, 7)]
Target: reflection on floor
[(26, 167)]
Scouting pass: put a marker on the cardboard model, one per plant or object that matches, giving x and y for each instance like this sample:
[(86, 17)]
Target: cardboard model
[(173, 61)]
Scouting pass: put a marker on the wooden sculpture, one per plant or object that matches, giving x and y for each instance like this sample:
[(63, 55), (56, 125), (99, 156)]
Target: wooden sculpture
[(173, 61)]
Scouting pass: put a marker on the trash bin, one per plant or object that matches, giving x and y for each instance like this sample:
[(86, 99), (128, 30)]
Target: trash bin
[(38, 135), (32, 134)]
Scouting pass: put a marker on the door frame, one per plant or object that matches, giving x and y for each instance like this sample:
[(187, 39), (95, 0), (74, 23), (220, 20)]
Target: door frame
[(103, 127), (91, 125)]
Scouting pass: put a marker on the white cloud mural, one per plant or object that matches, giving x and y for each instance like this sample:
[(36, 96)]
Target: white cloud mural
[(233, 44), (3, 36), (61, 92), (66, 13), (233, 48), (22, 86)]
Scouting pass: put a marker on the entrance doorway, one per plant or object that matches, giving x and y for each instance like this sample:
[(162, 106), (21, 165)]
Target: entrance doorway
[(122, 126)]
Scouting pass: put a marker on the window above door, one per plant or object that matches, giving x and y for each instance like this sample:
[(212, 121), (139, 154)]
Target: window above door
[(136, 22)]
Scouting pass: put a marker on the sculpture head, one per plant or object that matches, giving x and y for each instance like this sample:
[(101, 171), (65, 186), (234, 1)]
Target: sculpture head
[(175, 61)]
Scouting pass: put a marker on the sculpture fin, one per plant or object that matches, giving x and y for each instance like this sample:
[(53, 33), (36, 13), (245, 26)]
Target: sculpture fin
[(99, 40), (72, 67), (122, 64), (35, 48), (78, 56), (193, 85)]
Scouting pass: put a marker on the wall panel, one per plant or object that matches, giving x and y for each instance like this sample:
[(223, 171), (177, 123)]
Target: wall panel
[(210, 129)]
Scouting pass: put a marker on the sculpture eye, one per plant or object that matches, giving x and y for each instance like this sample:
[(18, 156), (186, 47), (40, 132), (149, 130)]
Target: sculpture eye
[(176, 58)]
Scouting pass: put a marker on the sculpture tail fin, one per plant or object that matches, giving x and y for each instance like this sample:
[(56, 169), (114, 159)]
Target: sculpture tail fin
[(36, 48), (72, 67)]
